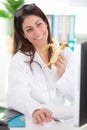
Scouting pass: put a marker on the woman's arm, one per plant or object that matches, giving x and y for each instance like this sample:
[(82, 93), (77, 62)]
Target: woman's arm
[(66, 81)]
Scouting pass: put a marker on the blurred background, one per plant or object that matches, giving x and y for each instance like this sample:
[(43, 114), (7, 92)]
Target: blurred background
[(68, 19)]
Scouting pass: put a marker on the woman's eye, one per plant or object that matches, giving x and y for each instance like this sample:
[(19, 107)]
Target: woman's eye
[(29, 30), (39, 24)]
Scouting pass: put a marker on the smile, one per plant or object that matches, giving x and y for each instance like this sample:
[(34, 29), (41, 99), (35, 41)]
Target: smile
[(40, 37)]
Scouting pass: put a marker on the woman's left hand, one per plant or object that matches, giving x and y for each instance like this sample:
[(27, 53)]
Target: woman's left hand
[(61, 64)]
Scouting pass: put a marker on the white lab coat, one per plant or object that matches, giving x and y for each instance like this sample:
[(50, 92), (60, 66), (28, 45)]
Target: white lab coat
[(29, 90)]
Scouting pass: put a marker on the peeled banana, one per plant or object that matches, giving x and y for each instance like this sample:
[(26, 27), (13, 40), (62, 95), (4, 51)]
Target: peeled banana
[(56, 48)]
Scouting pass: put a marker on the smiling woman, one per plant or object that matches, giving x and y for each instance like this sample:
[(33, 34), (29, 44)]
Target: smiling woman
[(35, 30), (31, 83)]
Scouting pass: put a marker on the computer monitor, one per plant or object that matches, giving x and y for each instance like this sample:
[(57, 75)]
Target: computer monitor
[(81, 86)]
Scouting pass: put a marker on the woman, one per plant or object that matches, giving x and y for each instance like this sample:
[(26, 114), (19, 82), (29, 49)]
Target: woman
[(33, 86)]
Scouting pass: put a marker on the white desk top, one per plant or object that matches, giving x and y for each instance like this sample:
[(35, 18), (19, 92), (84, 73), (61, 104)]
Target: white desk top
[(57, 126), (30, 125)]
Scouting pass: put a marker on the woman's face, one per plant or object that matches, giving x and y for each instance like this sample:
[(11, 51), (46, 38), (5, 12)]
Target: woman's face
[(35, 30)]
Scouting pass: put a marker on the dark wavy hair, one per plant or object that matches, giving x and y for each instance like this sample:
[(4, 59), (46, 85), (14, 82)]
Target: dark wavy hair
[(20, 43)]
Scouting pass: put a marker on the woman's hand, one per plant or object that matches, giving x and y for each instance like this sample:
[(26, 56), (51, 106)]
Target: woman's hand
[(41, 116), (61, 64)]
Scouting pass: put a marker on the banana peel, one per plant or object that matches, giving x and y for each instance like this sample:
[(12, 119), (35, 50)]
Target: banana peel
[(56, 48)]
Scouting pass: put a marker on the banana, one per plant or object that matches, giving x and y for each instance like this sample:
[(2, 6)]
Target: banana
[(56, 48)]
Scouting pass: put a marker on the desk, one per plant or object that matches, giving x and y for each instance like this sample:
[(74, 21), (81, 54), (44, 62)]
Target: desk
[(30, 125), (58, 126)]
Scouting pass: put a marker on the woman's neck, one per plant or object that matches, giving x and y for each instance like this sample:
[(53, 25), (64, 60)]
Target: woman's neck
[(44, 56)]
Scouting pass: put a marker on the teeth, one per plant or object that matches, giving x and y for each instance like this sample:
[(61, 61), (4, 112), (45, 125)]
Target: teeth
[(39, 37)]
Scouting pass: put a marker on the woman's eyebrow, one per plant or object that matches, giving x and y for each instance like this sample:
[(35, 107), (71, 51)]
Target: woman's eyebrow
[(31, 26), (37, 21), (27, 27)]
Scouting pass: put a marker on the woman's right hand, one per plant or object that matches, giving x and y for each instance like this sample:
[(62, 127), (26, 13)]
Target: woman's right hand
[(61, 64), (41, 116)]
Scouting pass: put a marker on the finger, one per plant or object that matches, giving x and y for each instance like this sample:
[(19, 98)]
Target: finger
[(35, 120), (62, 56), (39, 119), (44, 117), (61, 60), (59, 64), (48, 115)]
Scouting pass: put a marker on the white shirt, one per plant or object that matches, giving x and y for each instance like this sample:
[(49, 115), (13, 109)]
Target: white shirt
[(36, 87)]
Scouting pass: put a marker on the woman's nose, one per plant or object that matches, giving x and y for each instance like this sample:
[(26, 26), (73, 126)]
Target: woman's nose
[(37, 31)]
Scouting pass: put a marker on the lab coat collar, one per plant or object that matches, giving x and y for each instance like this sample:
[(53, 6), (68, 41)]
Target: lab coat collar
[(39, 60)]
